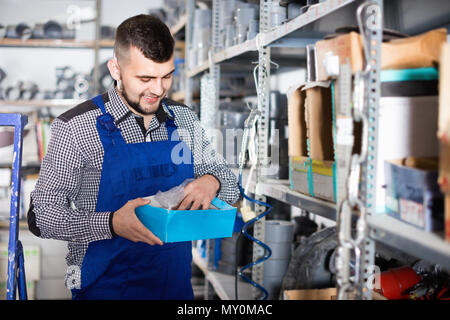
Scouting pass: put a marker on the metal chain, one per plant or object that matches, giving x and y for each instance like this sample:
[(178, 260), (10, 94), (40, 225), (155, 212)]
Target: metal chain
[(351, 199)]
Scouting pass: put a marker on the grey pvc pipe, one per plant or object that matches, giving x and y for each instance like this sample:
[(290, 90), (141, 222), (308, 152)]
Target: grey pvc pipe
[(275, 267), (280, 250), (279, 231)]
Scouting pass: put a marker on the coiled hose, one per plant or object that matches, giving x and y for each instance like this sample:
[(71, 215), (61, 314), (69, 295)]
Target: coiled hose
[(268, 252)]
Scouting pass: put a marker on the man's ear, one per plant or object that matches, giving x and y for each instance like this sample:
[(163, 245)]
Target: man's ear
[(114, 68)]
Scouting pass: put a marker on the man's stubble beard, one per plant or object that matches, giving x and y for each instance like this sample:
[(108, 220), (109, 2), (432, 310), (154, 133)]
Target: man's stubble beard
[(134, 105)]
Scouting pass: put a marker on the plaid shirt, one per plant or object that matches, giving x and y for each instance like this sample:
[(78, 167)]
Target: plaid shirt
[(64, 200)]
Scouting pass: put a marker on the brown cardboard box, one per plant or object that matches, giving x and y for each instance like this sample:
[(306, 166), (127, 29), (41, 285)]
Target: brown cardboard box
[(297, 138), (444, 95), (345, 46), (444, 132), (412, 52), (311, 294), (296, 122), (310, 118), (319, 121)]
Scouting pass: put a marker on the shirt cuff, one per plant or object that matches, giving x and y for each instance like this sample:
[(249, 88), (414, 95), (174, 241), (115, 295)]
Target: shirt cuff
[(100, 225), (111, 229)]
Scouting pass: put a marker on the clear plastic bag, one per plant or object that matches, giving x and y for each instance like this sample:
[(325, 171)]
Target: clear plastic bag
[(171, 198)]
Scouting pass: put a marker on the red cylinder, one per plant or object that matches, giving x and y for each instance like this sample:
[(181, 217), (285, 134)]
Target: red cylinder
[(395, 282)]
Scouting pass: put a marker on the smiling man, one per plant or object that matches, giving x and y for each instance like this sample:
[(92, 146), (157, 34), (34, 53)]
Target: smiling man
[(109, 152)]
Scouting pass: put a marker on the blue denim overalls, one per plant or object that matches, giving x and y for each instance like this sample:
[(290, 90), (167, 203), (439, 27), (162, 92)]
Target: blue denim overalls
[(118, 268)]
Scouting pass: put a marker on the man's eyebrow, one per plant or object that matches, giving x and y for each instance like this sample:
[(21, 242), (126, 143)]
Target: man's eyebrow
[(151, 77)]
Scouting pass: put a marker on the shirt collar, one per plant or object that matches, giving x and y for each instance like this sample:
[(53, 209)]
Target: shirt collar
[(120, 111)]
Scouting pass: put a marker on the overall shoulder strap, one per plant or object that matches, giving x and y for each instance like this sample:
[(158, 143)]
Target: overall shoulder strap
[(106, 119), (108, 131), (98, 101), (170, 125)]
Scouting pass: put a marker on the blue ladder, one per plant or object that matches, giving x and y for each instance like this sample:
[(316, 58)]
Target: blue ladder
[(15, 249)]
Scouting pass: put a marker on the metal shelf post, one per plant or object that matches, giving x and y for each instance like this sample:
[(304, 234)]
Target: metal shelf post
[(209, 105), (263, 89)]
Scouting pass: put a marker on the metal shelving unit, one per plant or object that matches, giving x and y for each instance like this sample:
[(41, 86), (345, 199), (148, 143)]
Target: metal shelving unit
[(52, 103), (53, 43), (281, 191), (96, 45), (224, 55), (279, 34), (300, 31), (223, 284), (179, 25), (423, 245)]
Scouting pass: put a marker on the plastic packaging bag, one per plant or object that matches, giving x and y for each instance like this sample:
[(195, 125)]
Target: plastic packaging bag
[(171, 198)]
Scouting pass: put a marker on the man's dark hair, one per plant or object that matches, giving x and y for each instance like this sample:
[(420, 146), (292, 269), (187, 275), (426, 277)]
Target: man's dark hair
[(148, 34)]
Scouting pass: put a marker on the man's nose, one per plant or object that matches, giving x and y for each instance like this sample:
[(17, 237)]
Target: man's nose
[(157, 87)]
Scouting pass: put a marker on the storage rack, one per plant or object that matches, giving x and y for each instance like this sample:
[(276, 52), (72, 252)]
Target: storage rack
[(97, 44), (380, 227)]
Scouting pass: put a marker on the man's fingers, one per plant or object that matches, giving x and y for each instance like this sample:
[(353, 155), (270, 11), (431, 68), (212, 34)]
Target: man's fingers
[(196, 205), (185, 203), (205, 205), (139, 202), (146, 235)]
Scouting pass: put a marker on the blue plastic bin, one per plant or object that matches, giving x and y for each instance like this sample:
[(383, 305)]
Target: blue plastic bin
[(188, 225)]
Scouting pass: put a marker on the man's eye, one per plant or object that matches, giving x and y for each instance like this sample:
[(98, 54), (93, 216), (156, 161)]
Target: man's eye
[(168, 76), (145, 79)]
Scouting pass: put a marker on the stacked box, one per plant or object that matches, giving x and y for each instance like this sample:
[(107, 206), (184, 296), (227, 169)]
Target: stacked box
[(413, 196), (412, 52), (311, 147), (407, 122), (444, 132)]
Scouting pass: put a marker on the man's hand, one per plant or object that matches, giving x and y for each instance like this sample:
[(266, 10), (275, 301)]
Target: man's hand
[(127, 225), (200, 193)]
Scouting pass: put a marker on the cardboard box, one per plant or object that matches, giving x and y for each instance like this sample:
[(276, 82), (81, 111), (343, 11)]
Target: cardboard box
[(319, 121), (298, 151), (319, 128), (444, 132), (313, 177), (311, 148), (412, 52), (324, 180), (310, 294), (447, 217), (310, 121), (297, 121), (413, 195), (444, 101), (406, 128), (345, 46), (299, 170)]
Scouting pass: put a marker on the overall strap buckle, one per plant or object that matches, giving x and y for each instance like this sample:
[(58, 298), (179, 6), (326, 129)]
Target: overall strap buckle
[(107, 121)]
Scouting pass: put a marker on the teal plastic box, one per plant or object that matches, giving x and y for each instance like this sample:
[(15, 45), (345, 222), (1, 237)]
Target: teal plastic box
[(188, 225)]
